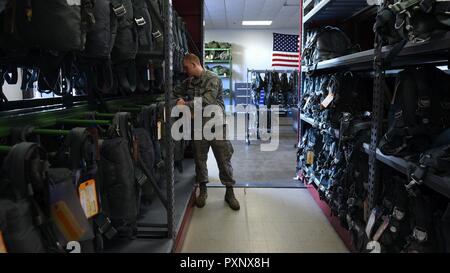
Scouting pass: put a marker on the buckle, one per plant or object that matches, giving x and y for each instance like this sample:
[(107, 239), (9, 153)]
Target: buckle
[(160, 164), (420, 235), (140, 21), (398, 214), (415, 180), (156, 34), (105, 226), (120, 10), (142, 180)]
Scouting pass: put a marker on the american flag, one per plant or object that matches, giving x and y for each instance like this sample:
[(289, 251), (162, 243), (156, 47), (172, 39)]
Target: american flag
[(285, 50)]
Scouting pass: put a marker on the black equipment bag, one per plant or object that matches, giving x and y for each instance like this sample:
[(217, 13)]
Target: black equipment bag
[(59, 25), (28, 226), (125, 47), (20, 235), (156, 15), (411, 21), (118, 187), (125, 43), (327, 43), (422, 237), (145, 44), (155, 126), (147, 162), (100, 39), (419, 110), (144, 29), (80, 153), (97, 65)]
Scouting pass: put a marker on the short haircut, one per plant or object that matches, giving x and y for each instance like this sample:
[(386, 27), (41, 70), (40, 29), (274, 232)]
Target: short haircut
[(192, 58)]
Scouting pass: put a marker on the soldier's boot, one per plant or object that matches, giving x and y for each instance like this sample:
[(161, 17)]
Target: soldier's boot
[(201, 198), (231, 199)]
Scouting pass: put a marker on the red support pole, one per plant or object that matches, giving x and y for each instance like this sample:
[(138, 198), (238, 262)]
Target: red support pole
[(300, 36)]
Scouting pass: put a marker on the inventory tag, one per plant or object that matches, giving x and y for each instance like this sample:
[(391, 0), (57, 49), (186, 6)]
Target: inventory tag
[(327, 100), (381, 229), (370, 223), (159, 129), (306, 103), (66, 222), (2, 244), (310, 157), (88, 198)]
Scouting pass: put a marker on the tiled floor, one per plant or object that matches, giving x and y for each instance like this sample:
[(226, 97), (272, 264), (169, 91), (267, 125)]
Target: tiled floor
[(270, 220), (251, 164)]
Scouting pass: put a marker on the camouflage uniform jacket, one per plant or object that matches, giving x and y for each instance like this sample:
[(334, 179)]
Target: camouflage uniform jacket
[(208, 86)]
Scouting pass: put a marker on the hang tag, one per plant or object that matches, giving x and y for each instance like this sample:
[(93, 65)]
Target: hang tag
[(66, 210), (2, 244), (381, 229), (66, 222), (307, 103), (309, 157), (159, 129), (327, 100), (370, 223), (88, 198)]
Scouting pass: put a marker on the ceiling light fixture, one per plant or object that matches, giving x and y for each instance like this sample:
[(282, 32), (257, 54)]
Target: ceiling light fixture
[(256, 23)]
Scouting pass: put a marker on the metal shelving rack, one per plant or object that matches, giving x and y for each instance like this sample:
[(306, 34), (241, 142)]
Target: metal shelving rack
[(280, 110), (168, 77), (435, 51), (47, 112), (229, 64)]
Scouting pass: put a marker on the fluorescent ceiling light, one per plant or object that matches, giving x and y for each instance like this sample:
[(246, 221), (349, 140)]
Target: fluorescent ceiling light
[(256, 23)]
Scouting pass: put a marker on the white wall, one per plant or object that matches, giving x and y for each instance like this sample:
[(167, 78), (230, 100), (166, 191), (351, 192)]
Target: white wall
[(252, 48)]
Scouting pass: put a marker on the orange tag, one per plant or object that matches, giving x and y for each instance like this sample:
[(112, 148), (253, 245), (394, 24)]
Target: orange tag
[(2, 244), (310, 157), (88, 198), (66, 222), (159, 130), (327, 100)]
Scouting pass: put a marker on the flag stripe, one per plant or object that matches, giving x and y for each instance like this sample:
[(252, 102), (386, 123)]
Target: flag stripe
[(285, 55), (285, 60), (287, 65)]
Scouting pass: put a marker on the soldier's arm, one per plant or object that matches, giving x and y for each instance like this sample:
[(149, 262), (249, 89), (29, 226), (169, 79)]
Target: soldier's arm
[(210, 93), (179, 92)]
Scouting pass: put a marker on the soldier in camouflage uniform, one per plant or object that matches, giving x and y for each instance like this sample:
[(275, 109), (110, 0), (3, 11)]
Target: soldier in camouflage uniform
[(207, 85)]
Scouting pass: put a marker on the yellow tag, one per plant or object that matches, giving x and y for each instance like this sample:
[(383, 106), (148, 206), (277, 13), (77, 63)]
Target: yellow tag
[(310, 157), (159, 130), (327, 100), (66, 221), (2, 244), (88, 198)]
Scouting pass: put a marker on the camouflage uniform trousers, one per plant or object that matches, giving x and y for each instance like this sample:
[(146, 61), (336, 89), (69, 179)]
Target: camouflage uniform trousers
[(223, 151)]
